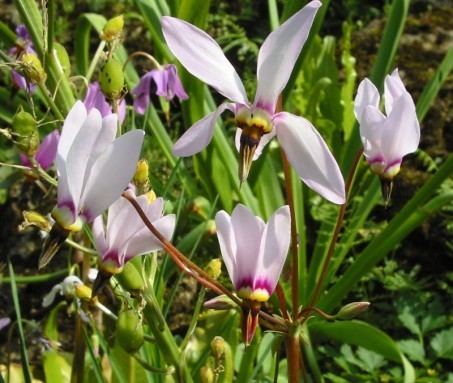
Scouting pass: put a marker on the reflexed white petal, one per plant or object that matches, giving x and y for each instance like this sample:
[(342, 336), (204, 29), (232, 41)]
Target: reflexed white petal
[(279, 53), (50, 296), (199, 135), (248, 230), (309, 155), (401, 132), (71, 127), (371, 129), (393, 89), (200, 54), (265, 139), (367, 95), (227, 242), (105, 137), (274, 246), (99, 234), (111, 173)]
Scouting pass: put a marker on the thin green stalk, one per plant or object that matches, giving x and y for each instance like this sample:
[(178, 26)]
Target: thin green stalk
[(194, 320), (50, 101), (94, 61), (51, 13), (23, 346), (32, 279), (273, 14)]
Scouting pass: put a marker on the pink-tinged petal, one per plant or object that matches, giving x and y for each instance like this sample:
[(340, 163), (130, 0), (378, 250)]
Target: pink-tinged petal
[(122, 109), (71, 127), (145, 242), (227, 242), (199, 135), (47, 151), (401, 132), (265, 139), (77, 161), (310, 156), (248, 230), (121, 223), (274, 247), (371, 129), (393, 89), (99, 235), (200, 54), (111, 173), (367, 95), (152, 210), (279, 53), (142, 93), (96, 99)]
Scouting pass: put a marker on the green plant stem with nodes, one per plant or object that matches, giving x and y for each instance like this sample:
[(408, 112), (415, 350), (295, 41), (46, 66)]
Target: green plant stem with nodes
[(338, 226)]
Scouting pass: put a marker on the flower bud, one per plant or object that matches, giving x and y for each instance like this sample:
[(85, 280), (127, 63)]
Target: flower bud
[(25, 130), (214, 268), (141, 176), (206, 374), (221, 302), (129, 330), (130, 278), (113, 29), (32, 68), (63, 58), (201, 206), (82, 292), (351, 310), (112, 79), (218, 347)]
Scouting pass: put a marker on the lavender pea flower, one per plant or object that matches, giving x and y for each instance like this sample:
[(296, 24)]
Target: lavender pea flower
[(45, 156), (96, 99)]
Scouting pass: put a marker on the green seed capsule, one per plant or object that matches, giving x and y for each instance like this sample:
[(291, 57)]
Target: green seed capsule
[(130, 278), (32, 68), (113, 28), (63, 58), (112, 79), (129, 331), (26, 132)]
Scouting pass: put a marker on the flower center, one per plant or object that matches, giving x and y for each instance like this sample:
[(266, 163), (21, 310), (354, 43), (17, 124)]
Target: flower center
[(63, 215)]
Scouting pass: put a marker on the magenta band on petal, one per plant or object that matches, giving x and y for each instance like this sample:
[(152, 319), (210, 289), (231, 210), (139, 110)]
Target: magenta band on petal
[(266, 106), (112, 256), (254, 284), (393, 163), (376, 160)]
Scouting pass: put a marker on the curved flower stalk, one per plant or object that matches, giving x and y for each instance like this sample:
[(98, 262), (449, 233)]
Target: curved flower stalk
[(93, 170), (254, 254), (125, 236), (163, 81), (96, 99), (45, 155), (257, 122), (386, 138)]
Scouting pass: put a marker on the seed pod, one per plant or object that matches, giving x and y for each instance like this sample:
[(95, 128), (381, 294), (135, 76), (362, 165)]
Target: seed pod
[(130, 278), (32, 68), (214, 268), (129, 331), (63, 58), (113, 28), (112, 79), (351, 310), (26, 132)]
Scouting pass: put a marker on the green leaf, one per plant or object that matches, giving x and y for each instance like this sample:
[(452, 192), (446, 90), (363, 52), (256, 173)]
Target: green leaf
[(409, 321), (413, 349), (57, 368), (442, 344), (51, 326)]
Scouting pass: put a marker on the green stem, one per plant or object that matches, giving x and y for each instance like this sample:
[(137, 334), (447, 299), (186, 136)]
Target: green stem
[(194, 320), (148, 367), (95, 60), (51, 12), (31, 279), (50, 101)]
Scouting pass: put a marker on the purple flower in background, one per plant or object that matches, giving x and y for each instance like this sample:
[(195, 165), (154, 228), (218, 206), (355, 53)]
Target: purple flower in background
[(4, 322), (387, 138), (45, 156), (257, 122), (96, 99), (163, 81), (24, 45)]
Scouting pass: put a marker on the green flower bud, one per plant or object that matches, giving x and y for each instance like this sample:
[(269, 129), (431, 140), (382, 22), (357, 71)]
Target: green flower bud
[(129, 331), (113, 28), (201, 206), (351, 310), (112, 79), (130, 278), (63, 58), (218, 346), (25, 132), (206, 374), (141, 177), (32, 68), (214, 268)]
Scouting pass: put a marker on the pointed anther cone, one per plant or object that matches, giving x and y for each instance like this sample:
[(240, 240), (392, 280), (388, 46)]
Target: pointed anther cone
[(52, 244), (249, 319), (250, 138), (100, 282), (386, 189)]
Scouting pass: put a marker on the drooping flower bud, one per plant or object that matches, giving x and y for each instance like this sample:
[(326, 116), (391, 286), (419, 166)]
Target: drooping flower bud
[(63, 58), (221, 302), (214, 268), (32, 68), (112, 79), (26, 133), (351, 310), (113, 29), (129, 330)]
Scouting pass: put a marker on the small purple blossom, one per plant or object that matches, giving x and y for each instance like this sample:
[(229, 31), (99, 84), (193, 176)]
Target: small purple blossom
[(25, 45), (96, 99), (164, 82), (45, 156)]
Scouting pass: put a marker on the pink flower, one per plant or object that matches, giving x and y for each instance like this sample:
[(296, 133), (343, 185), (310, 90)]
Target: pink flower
[(45, 156), (96, 99), (387, 138), (24, 45), (164, 82), (257, 122)]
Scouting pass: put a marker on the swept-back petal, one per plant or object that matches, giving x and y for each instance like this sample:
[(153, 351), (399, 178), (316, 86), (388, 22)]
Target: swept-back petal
[(393, 89), (227, 242), (274, 246), (367, 95), (401, 132), (99, 234), (200, 54), (111, 173), (371, 129), (279, 53), (71, 127), (310, 156), (199, 135), (48, 150)]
